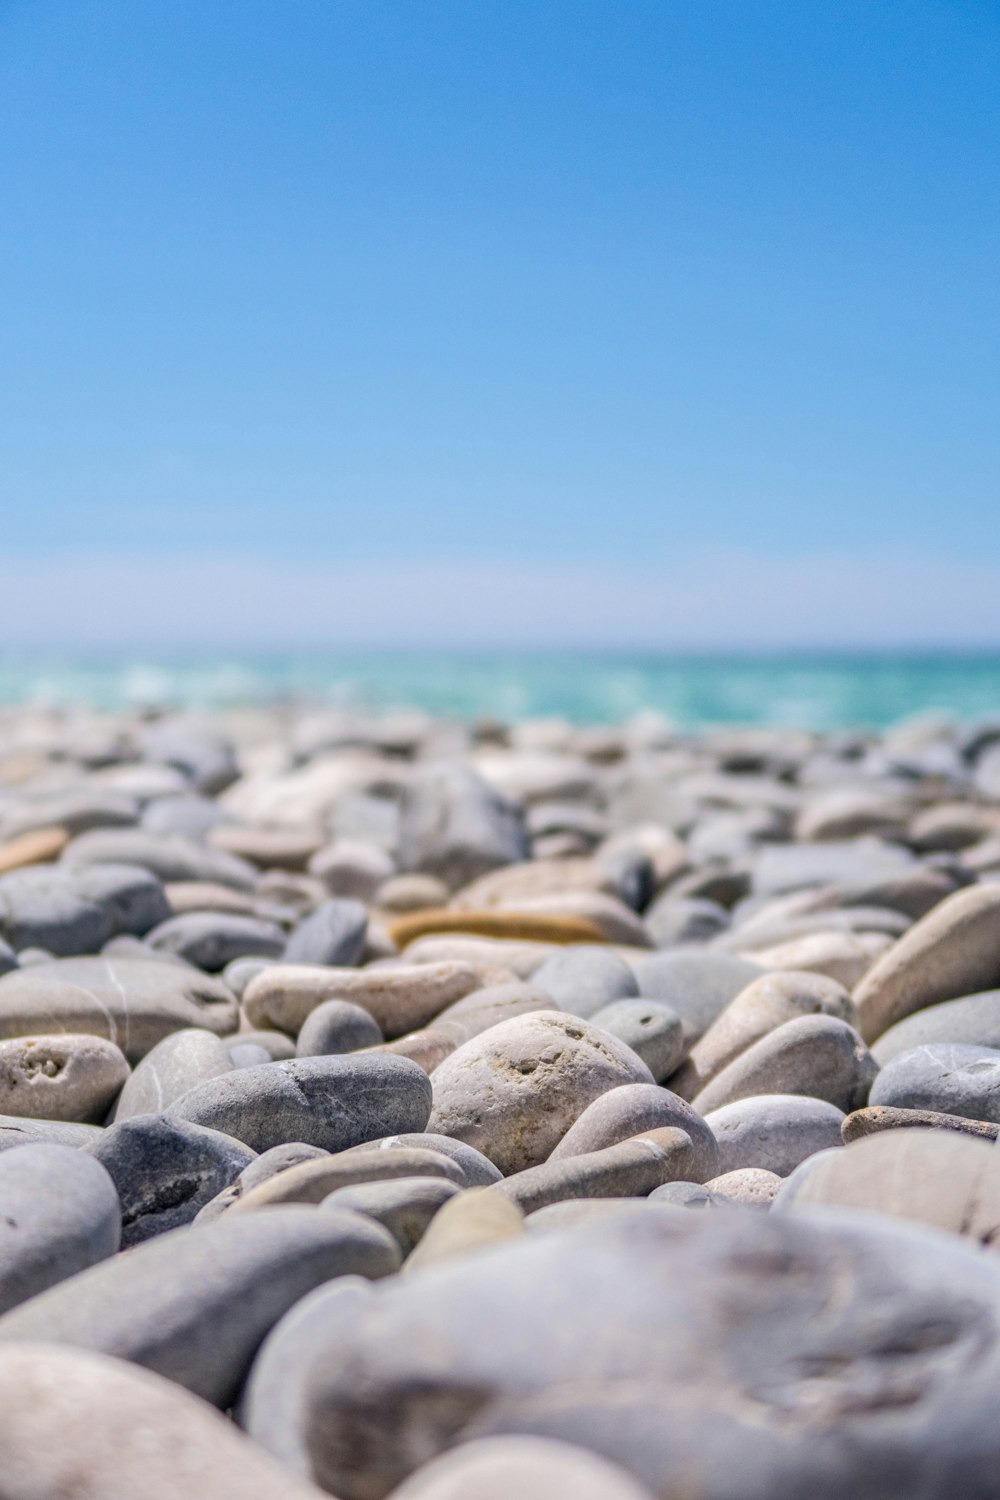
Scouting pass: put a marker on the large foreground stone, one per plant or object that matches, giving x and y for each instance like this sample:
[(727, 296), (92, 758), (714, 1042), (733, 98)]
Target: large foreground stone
[(59, 1214), (194, 1304), (750, 1357)]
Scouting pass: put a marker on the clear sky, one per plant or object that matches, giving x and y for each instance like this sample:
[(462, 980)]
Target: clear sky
[(617, 321)]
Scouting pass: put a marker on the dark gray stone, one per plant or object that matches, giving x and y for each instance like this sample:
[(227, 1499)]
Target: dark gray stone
[(133, 897), (166, 1170), (171, 857), (172, 1068), (194, 1305), (678, 919), (211, 939), (45, 907), (956, 1080), (331, 1102), (58, 1215), (336, 1027), (334, 934), (454, 826)]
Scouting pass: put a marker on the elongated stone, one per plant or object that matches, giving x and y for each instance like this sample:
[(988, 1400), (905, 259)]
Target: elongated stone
[(313, 1181), (818, 1056), (630, 1169), (403, 1205), (634, 1109), (399, 999)]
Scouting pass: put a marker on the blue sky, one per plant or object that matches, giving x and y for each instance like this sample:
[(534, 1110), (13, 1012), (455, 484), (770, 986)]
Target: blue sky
[(659, 322)]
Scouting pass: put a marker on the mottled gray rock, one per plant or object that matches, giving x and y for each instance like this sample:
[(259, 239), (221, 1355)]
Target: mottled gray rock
[(81, 1425), (953, 951), (765, 1004), (935, 1177), (695, 983), (878, 1117), (774, 1131), (331, 1102), (336, 1027), (404, 1205), (194, 1304), (400, 998), (514, 1091), (477, 1170), (169, 857), (211, 940), (972, 1021), (654, 1032), (750, 1186), (630, 1169), (530, 1467), (631, 1110), (170, 1069), (583, 979), (61, 1077), (165, 1170), (454, 826), (333, 934), (956, 1080), (17, 1131), (815, 1055), (58, 1214), (899, 1319)]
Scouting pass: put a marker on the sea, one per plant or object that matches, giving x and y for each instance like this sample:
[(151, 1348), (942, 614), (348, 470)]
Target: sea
[(816, 691)]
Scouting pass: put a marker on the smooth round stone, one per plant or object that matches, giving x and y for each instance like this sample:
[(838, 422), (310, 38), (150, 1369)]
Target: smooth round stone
[(654, 1032), (238, 974), (843, 956), (165, 1170), (331, 1102), (248, 1055), (634, 1109), (953, 951), (278, 1045), (453, 825), (814, 1055), (489, 1006), (59, 1214), (877, 1117), (583, 979), (972, 1021), (737, 1311), (750, 1186), (531, 1468), (683, 1195), (278, 1159), (170, 1069), (18, 1131), (29, 956), (211, 940), (170, 857), (313, 1181), (183, 812), (46, 907), (685, 919), (134, 897), (953, 1079), (194, 1304), (62, 1077), (336, 1027), (764, 1005), (333, 934), (399, 999), (131, 1002), (933, 1176), (404, 893), (477, 1170), (514, 1091), (405, 1206), (631, 1169), (698, 985), (287, 848), (773, 1131), (79, 1424)]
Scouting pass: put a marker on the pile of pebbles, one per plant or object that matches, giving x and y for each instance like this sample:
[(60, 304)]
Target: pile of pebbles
[(397, 1107)]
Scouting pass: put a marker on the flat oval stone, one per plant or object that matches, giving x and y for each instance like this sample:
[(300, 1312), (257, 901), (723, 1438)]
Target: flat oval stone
[(333, 934), (132, 1002), (62, 1077), (654, 1032), (75, 1423), (814, 1055), (169, 857), (18, 1131), (336, 1027), (170, 1069), (765, 1004), (314, 1181), (774, 1131), (514, 1091), (211, 940), (194, 1304), (490, 1005), (399, 999), (971, 1020), (532, 1468), (630, 1169), (404, 1205), (476, 1169), (59, 1214), (634, 1109), (953, 951), (953, 1079), (165, 1170), (933, 1176), (331, 1102), (878, 1117), (735, 1310)]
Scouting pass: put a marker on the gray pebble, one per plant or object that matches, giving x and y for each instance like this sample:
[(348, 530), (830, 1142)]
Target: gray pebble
[(336, 1027), (59, 1214), (333, 934), (774, 1131), (654, 1032), (211, 940), (631, 1110), (170, 1069), (582, 980), (404, 1205), (957, 1080)]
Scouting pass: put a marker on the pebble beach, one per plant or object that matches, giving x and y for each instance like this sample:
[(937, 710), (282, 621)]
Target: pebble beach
[(402, 1105)]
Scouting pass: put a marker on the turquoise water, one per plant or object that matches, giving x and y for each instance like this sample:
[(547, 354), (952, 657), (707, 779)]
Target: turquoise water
[(822, 692)]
